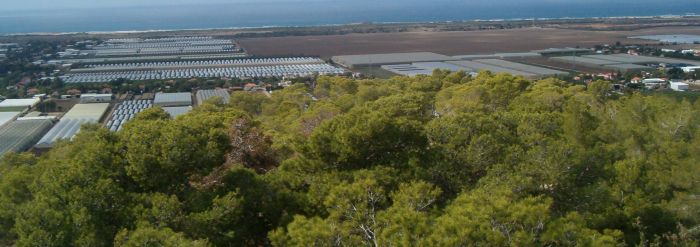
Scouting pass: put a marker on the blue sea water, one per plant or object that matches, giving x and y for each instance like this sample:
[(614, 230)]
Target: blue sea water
[(307, 13)]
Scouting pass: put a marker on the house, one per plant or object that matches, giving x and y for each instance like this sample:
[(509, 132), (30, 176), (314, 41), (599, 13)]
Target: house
[(73, 91), (24, 81), (249, 86), (636, 80), (33, 91)]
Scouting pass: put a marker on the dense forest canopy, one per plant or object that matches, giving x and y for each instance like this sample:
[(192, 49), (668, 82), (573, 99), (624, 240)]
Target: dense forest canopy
[(442, 160)]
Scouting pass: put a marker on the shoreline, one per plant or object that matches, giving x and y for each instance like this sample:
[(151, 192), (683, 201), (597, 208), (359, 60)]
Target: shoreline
[(564, 20)]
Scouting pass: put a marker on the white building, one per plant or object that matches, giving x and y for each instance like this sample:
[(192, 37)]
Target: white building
[(679, 86), (95, 98), (653, 80), (654, 83), (15, 103), (690, 69)]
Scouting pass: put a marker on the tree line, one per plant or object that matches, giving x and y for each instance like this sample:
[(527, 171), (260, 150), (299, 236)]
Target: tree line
[(441, 160)]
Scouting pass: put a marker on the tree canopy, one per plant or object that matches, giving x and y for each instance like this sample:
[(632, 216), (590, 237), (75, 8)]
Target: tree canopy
[(441, 160)]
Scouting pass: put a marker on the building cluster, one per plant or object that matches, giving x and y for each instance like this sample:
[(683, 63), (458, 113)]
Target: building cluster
[(142, 59), (672, 38), (175, 104), (626, 62), (20, 131), (69, 125), (535, 64), (202, 63), (5, 48), (294, 70), (660, 83), (23, 128), (424, 63), (204, 95), (160, 46), (126, 111), (21, 134), (177, 58)]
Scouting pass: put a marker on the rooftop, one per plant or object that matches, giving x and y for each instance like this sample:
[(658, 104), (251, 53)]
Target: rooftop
[(389, 58), (71, 122), (203, 95), (95, 95), (20, 136), (628, 66), (585, 60), (20, 102), (177, 111), (173, 98), (7, 117), (95, 111), (477, 66), (498, 55), (423, 68), (562, 50), (522, 67), (406, 69)]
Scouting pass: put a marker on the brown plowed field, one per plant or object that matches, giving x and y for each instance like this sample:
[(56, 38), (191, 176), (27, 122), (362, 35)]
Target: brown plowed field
[(448, 43)]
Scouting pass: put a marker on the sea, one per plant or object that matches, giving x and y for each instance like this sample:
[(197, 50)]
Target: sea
[(297, 13)]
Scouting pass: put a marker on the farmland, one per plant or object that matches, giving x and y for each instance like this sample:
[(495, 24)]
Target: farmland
[(448, 43)]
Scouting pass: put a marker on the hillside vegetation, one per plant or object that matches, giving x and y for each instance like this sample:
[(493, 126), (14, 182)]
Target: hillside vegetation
[(445, 160)]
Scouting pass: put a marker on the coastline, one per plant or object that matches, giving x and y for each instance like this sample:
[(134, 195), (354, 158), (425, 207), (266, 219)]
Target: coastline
[(563, 20)]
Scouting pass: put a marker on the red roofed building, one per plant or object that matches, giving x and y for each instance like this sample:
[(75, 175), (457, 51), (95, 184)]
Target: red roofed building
[(249, 86), (33, 91), (73, 91)]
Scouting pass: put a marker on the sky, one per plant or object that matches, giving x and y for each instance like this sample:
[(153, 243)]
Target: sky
[(64, 4), (22, 16), (69, 4)]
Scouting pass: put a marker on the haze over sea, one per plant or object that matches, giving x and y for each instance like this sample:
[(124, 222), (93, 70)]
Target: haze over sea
[(320, 12)]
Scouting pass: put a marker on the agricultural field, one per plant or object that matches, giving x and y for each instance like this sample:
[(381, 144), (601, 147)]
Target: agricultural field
[(447, 43)]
